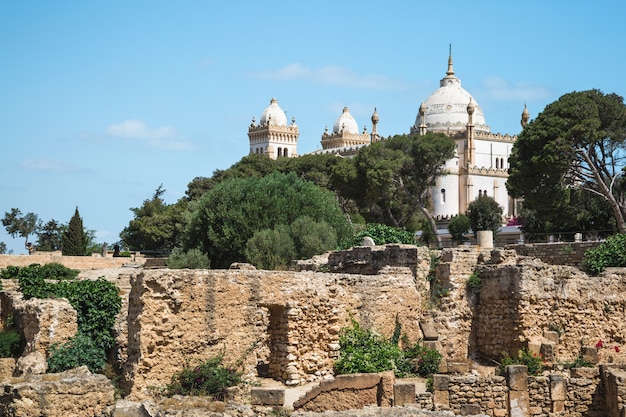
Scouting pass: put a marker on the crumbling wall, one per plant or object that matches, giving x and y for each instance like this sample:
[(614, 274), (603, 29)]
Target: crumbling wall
[(184, 316), (523, 300)]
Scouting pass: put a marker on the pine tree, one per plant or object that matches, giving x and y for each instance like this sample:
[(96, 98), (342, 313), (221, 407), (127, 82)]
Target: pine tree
[(74, 238)]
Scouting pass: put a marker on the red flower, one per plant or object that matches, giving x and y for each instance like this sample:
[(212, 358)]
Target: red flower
[(616, 349), (599, 344)]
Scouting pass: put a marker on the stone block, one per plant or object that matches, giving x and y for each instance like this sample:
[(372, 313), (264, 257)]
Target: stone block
[(548, 350), (558, 391), (558, 406), (385, 389), (440, 382), (551, 336), (7, 366), (441, 400), (589, 354), (428, 330), (458, 367), (267, 396), (470, 409), (403, 393), (517, 377), (519, 404)]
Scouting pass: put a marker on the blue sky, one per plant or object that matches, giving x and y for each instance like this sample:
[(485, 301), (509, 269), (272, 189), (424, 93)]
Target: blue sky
[(101, 102)]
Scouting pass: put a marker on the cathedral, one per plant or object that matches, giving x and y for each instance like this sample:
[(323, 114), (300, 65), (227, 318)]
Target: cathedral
[(479, 166)]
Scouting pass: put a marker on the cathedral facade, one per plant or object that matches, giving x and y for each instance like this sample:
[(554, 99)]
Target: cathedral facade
[(479, 166)]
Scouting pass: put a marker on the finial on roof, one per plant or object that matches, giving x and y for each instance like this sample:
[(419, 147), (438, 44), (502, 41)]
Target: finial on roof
[(450, 71)]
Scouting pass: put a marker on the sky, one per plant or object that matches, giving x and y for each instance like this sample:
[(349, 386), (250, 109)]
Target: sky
[(103, 101)]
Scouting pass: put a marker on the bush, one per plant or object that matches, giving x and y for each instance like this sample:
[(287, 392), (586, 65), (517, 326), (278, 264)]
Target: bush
[(381, 234), (458, 226), (52, 270), (612, 252), (484, 213), (191, 259), (475, 282), (365, 351), (271, 248), (209, 378), (312, 237), (97, 303), (10, 343), (78, 351), (533, 361)]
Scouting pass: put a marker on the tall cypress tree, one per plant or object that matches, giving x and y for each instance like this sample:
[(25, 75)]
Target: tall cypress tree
[(74, 239)]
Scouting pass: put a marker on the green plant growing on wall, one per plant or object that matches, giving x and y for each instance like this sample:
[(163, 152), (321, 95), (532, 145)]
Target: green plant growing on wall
[(612, 252), (365, 351), (475, 282), (96, 303), (209, 378), (533, 361)]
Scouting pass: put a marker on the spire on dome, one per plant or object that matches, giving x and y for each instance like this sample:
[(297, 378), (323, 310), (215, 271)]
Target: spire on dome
[(450, 72)]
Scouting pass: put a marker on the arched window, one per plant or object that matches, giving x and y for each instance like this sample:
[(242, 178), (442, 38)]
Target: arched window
[(480, 193), (285, 153), (497, 163), (484, 193), (502, 163), (443, 195)]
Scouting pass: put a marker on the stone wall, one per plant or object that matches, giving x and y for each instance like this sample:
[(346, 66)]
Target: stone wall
[(558, 253), (559, 309), (292, 318), (73, 262)]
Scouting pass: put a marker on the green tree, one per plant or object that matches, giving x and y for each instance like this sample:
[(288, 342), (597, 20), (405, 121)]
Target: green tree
[(576, 143), (20, 225), (390, 180), (49, 236), (458, 226), (484, 213), (156, 226), (74, 238), (225, 217), (3, 248)]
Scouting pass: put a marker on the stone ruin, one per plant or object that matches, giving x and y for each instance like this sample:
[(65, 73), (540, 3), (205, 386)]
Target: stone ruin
[(285, 326)]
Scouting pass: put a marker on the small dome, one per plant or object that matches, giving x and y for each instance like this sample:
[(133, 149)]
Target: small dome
[(447, 108), (274, 114), (346, 122)]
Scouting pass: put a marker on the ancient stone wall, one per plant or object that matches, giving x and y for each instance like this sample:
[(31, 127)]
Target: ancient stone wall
[(72, 262), (523, 300), (292, 318), (558, 253)]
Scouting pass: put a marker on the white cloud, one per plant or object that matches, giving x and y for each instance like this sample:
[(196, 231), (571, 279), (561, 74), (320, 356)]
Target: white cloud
[(500, 89), (332, 75), (164, 137), (50, 165)]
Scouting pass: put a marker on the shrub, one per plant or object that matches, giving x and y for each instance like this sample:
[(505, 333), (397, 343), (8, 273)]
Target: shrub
[(48, 271), (10, 343), (97, 303), (475, 282), (271, 248), (381, 234), (612, 252), (209, 378), (484, 213), (365, 351), (78, 351), (191, 259), (533, 361), (312, 237), (458, 226)]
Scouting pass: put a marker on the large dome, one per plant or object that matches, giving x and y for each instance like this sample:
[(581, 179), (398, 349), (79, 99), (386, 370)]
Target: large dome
[(446, 108), (346, 123), (274, 115)]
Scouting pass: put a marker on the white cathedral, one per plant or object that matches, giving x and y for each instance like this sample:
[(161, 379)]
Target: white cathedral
[(478, 168)]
